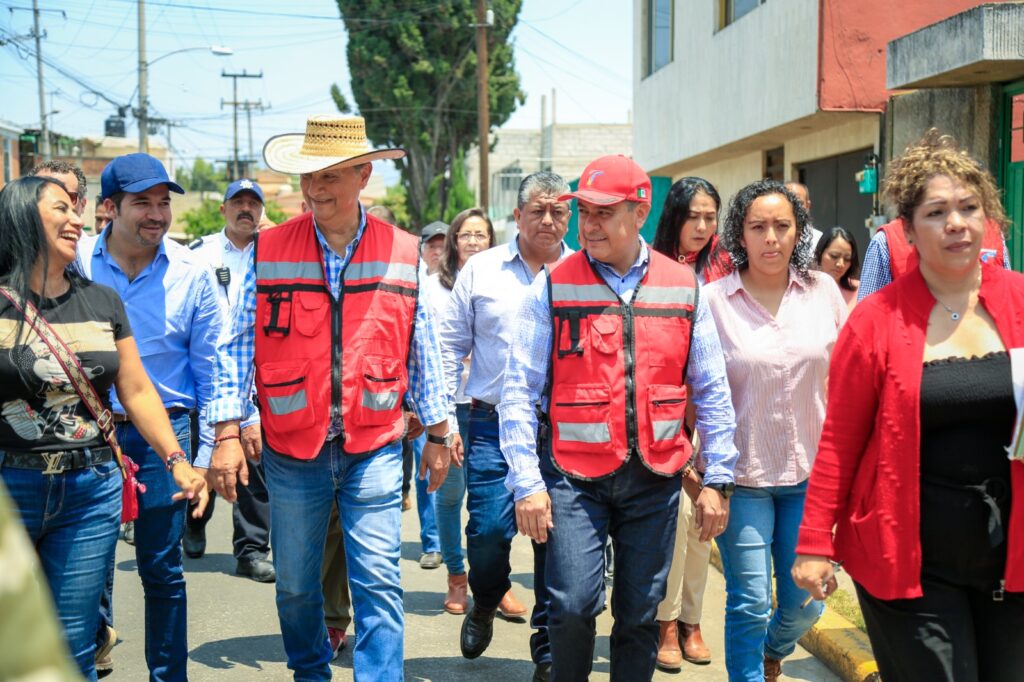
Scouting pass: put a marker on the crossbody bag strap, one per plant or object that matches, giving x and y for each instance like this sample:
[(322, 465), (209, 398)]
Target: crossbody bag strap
[(69, 363)]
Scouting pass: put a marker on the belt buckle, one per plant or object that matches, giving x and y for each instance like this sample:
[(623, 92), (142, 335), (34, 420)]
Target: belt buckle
[(54, 463)]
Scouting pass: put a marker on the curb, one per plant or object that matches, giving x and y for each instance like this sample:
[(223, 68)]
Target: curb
[(836, 641)]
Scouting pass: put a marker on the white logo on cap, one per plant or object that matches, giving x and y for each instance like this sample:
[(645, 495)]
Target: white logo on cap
[(245, 184)]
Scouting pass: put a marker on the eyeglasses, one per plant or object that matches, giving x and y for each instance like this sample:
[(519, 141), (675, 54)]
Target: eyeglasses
[(74, 198), (473, 236)]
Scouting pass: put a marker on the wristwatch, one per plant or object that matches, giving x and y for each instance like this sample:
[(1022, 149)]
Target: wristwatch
[(447, 440), (726, 489)]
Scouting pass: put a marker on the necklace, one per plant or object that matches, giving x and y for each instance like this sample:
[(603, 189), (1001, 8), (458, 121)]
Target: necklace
[(953, 315)]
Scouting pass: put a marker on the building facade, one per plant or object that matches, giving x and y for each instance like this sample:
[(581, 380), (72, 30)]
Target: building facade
[(737, 90)]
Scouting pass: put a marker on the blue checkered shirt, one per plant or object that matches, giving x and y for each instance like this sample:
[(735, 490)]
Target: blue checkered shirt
[(233, 373), (527, 369), (876, 271)]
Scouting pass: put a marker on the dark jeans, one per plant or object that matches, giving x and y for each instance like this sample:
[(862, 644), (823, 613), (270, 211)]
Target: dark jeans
[(250, 513), (491, 527), (951, 634), (638, 509), (158, 554)]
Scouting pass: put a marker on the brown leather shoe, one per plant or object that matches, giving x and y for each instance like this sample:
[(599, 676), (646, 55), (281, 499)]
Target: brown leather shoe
[(670, 658), (772, 669), (456, 601), (511, 608), (692, 644)]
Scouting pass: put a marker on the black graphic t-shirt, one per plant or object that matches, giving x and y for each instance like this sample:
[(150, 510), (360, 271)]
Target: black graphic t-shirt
[(39, 408)]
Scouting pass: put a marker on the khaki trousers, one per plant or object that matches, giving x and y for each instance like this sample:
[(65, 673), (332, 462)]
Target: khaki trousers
[(334, 576), (684, 595)]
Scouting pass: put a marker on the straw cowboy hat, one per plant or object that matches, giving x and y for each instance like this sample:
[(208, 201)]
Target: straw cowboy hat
[(328, 141)]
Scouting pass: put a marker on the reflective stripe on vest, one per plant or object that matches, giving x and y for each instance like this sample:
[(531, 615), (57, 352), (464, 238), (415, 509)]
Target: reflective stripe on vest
[(380, 270), (583, 432), (584, 293), (664, 430), (682, 296), (288, 403), (379, 402), (270, 270)]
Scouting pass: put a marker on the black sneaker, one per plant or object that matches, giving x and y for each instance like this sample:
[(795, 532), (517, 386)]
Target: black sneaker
[(194, 542), (260, 570)]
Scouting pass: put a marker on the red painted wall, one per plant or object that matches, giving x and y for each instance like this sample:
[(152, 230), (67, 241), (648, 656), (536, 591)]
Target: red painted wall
[(852, 41)]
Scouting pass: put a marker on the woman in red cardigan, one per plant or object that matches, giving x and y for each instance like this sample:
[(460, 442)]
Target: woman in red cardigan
[(912, 473)]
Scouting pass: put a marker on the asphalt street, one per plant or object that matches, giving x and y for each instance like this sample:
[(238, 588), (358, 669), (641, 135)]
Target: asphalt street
[(234, 631)]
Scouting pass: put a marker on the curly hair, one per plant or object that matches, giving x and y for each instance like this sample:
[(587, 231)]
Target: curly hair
[(732, 231), (932, 155), (448, 268)]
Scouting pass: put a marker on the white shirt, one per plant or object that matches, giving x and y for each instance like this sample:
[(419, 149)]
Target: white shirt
[(216, 250)]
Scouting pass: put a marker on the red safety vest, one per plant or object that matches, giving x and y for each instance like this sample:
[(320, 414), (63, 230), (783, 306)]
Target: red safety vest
[(618, 369), (903, 256), (316, 358)]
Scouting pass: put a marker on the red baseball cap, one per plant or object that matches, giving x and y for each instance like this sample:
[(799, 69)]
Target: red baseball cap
[(611, 180)]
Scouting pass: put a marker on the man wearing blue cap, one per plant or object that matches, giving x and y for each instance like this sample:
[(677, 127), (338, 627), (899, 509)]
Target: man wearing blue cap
[(172, 305), (226, 254)]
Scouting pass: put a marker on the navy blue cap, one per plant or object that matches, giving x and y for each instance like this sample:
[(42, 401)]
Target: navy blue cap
[(243, 185), (135, 173)]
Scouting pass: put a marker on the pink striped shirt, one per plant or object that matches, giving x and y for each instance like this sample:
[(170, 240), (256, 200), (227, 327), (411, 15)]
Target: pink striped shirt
[(778, 369)]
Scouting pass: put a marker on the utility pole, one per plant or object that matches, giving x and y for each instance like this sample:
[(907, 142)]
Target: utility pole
[(143, 84), (45, 148), (248, 107), (234, 103), (483, 21)]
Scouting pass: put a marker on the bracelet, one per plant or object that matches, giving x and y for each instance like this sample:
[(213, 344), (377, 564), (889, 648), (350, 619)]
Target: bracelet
[(230, 436), (176, 458)]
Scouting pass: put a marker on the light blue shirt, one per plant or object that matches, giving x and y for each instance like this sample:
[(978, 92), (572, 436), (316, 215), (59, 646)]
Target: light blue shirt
[(530, 358), (176, 319), (237, 348), (480, 319)]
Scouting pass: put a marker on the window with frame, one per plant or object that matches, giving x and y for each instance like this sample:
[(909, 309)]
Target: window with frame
[(658, 35), (730, 11)]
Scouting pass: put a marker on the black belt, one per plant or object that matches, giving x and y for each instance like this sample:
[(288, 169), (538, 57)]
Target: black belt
[(59, 461), (123, 418), (481, 405)]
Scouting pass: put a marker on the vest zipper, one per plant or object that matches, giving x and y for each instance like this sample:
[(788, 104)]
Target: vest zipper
[(336, 361), (627, 348)]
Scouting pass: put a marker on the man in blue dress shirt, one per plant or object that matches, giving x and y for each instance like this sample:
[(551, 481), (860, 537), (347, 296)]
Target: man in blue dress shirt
[(633, 502), (173, 310), (480, 322)]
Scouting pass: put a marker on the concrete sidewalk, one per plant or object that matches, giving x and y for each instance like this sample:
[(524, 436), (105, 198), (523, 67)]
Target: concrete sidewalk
[(234, 632)]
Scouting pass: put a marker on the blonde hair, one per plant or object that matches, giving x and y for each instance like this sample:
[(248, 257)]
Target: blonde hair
[(938, 154)]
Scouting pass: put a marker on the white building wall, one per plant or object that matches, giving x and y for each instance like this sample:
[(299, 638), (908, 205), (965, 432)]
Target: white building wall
[(755, 74)]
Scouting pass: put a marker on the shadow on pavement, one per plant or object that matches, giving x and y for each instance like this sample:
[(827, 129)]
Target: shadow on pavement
[(211, 562), (422, 603), (458, 669), (250, 652)]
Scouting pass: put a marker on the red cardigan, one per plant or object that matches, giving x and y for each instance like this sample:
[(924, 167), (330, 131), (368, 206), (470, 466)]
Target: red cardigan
[(866, 479)]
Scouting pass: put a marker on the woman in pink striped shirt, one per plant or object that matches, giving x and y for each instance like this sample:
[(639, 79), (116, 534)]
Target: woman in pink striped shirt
[(778, 321)]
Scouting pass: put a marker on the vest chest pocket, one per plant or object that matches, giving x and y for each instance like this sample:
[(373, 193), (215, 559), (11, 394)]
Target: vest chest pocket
[(282, 391), (277, 318), (606, 334), (666, 411), (311, 312), (383, 382), (580, 418)]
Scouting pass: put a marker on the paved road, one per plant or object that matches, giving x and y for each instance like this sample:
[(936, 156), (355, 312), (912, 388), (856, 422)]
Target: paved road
[(234, 632)]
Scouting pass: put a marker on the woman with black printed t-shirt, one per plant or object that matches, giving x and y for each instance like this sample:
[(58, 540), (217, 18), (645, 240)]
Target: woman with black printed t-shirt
[(57, 466)]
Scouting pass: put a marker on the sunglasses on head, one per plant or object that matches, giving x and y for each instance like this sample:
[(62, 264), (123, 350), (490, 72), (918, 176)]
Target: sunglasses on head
[(74, 197)]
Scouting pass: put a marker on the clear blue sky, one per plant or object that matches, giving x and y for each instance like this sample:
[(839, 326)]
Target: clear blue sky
[(581, 48)]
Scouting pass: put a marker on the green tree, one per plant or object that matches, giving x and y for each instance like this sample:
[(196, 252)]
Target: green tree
[(446, 198), (413, 75), (203, 177), (395, 198), (206, 218)]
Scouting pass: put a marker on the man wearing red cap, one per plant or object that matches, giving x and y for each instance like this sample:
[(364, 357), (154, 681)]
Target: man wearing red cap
[(610, 343)]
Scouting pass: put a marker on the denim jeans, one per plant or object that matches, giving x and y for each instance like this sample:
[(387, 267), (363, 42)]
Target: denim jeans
[(158, 554), (448, 503), (637, 508), (424, 501), (491, 527), (762, 533), (73, 521), (368, 491)]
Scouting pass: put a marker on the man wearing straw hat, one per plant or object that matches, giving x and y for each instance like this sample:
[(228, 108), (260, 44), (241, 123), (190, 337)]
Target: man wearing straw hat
[(330, 316)]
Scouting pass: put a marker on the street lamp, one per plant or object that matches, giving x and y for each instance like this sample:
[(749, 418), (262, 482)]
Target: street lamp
[(143, 111)]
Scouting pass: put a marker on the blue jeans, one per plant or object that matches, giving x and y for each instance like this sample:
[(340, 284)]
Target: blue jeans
[(448, 503), (638, 509), (368, 491), (491, 527), (424, 501), (158, 554), (73, 521), (762, 533)]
